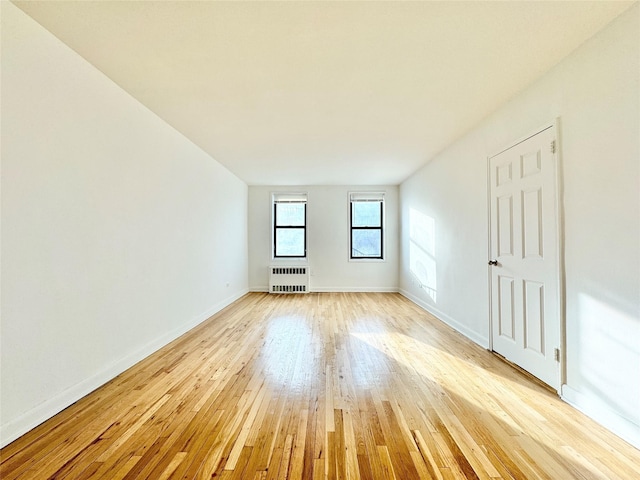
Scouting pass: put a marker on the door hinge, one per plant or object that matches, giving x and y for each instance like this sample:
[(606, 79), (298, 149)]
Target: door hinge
[(553, 146), (556, 354)]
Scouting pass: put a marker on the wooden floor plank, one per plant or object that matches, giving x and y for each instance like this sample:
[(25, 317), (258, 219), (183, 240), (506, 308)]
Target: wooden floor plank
[(320, 386)]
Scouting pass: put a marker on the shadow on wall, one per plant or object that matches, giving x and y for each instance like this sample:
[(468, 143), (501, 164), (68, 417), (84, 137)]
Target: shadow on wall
[(422, 252), (609, 353)]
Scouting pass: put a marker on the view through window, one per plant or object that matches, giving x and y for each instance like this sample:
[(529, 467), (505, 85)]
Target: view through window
[(289, 225), (366, 222)]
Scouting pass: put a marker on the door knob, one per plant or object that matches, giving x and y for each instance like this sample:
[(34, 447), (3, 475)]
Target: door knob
[(493, 262)]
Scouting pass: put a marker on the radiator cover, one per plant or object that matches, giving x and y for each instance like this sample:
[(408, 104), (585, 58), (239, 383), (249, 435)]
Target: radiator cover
[(288, 279)]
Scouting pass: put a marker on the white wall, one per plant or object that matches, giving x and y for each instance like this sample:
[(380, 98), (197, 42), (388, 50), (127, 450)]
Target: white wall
[(595, 92), (327, 240), (444, 238), (118, 234)]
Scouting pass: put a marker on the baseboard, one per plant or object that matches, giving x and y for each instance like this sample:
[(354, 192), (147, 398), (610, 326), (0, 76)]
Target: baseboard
[(354, 289), (601, 412), (463, 329), (338, 289), (17, 427)]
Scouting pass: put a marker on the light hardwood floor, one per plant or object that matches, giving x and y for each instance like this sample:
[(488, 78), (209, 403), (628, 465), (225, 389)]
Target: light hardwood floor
[(329, 385)]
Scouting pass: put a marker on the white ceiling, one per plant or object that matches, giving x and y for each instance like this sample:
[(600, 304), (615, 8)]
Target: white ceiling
[(314, 93)]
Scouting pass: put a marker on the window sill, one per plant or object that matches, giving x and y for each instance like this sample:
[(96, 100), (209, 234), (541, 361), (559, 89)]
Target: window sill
[(367, 260)]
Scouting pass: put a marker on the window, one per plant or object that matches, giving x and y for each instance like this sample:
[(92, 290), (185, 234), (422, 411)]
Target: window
[(289, 225), (366, 220)]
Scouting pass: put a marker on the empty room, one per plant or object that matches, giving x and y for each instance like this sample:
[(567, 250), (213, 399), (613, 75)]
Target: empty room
[(319, 240)]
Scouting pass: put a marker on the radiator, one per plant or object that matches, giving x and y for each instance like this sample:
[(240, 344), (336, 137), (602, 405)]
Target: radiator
[(284, 279)]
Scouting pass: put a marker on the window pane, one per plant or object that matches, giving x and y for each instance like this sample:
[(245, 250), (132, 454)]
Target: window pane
[(366, 214), (290, 214), (289, 242), (366, 243)]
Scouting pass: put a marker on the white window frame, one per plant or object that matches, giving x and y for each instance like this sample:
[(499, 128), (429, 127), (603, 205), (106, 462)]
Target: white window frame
[(288, 197), (371, 196)]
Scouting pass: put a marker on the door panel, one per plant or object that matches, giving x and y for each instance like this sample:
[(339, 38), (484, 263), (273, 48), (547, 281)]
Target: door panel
[(532, 223), (524, 282), (505, 225), (503, 174), (534, 316), (531, 163), (506, 319)]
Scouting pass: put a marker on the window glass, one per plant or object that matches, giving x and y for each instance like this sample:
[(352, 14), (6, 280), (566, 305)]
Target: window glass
[(290, 242), (290, 214), (366, 243), (366, 214)]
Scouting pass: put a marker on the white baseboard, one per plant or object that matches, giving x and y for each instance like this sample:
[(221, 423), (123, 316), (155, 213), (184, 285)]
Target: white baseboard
[(601, 412), (17, 427), (354, 289), (338, 289), (463, 329)]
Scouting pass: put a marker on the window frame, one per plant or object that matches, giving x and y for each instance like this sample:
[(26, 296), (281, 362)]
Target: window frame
[(377, 197), (276, 227)]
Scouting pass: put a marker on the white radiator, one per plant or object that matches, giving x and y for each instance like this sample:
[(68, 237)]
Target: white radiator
[(284, 279)]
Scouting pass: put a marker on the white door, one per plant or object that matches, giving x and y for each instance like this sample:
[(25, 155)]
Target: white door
[(524, 264)]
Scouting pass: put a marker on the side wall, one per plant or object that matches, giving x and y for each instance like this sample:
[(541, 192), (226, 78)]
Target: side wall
[(595, 93), (327, 240), (118, 234)]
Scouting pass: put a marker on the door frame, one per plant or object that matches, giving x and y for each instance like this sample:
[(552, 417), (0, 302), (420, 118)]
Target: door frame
[(560, 272)]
